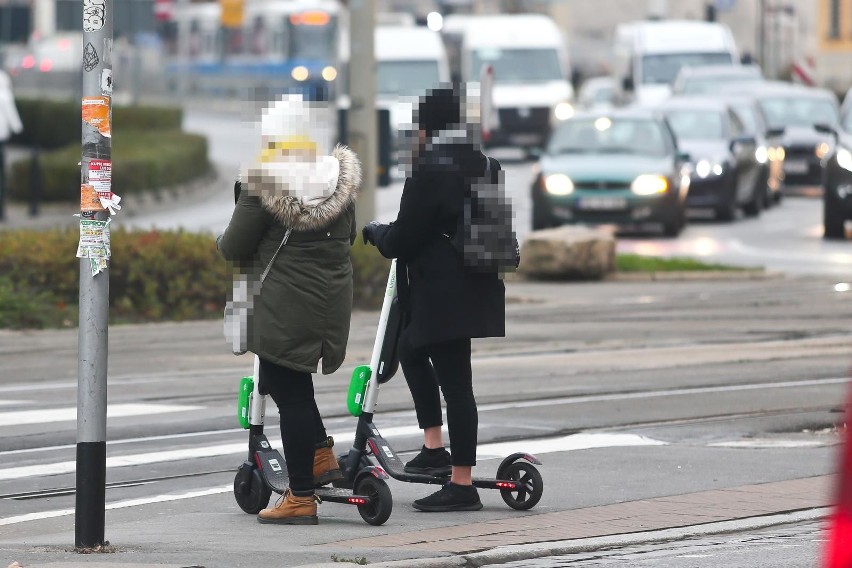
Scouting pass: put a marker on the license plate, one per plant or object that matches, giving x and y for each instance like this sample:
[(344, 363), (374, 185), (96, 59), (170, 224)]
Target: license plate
[(796, 166), (603, 203)]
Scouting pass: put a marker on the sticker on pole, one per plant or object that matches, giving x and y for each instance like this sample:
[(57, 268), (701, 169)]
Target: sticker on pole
[(100, 177), (96, 114), (89, 201), (106, 82), (90, 57), (94, 15), (94, 243)]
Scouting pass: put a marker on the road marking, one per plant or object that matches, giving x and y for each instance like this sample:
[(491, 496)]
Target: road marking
[(121, 504), (686, 391), (770, 444), (570, 443), (21, 417), (15, 402)]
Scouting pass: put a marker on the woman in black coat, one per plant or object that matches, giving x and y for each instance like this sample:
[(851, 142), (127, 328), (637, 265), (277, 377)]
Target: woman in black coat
[(443, 304)]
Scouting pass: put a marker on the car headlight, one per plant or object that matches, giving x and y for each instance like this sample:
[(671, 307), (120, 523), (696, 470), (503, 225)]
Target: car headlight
[(844, 159), (822, 150), (300, 73), (705, 168), (649, 185), (564, 111), (558, 184), (761, 154)]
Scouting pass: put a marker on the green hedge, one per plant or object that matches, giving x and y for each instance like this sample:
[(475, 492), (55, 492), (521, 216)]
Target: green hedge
[(54, 124), (154, 276), (142, 160)]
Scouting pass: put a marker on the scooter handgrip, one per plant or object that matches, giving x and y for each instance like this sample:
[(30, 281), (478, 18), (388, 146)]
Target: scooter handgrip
[(357, 390)]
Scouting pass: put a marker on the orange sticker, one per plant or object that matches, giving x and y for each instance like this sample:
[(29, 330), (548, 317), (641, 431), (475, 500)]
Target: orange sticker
[(89, 200), (96, 114)]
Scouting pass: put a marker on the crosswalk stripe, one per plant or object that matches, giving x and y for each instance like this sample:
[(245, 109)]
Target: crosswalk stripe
[(573, 442), (47, 415)]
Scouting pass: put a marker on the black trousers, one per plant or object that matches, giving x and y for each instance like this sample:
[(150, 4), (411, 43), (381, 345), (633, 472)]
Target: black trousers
[(444, 366), (301, 423)]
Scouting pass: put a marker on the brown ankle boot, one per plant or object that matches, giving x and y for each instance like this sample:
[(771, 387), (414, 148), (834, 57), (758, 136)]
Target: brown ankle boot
[(326, 469), (291, 510)]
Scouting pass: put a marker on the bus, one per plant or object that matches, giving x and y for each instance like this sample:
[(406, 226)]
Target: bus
[(283, 46)]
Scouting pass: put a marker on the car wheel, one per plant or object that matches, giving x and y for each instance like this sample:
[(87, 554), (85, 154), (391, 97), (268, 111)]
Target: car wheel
[(541, 217), (674, 227), (726, 212), (755, 205), (833, 222)]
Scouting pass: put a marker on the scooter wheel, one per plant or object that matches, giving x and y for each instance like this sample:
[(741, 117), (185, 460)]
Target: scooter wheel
[(530, 485), (381, 501), (251, 493)]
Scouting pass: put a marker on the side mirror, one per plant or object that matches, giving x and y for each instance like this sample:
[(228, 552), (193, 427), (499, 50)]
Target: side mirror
[(627, 83), (683, 156), (535, 152)]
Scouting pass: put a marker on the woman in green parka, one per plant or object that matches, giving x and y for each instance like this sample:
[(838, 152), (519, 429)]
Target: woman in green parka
[(301, 315)]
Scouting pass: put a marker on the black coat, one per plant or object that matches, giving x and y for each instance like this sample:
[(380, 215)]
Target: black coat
[(440, 300)]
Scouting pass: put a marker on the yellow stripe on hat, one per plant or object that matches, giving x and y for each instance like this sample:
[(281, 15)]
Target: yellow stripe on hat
[(288, 144)]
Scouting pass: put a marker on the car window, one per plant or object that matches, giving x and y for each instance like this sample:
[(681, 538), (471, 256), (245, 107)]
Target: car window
[(789, 111), (606, 135), (697, 124), (518, 65)]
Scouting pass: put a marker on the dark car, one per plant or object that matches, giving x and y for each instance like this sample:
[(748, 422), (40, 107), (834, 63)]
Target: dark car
[(708, 79), (837, 186), (726, 171), (622, 168), (769, 156), (795, 110)]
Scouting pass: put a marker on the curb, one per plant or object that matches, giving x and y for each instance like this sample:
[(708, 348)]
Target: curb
[(694, 276), (505, 554)]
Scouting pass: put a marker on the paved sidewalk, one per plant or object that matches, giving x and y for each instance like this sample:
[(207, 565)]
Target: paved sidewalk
[(492, 542)]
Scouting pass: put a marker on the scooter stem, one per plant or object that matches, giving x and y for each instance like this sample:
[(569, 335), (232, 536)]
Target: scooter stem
[(372, 393)]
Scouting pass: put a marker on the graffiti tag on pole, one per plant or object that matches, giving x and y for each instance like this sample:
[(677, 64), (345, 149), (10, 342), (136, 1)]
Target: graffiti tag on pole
[(90, 57)]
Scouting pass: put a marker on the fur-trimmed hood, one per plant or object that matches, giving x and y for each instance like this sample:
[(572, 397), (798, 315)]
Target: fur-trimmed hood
[(295, 214)]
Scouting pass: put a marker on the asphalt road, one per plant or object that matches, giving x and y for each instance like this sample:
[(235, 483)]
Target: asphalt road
[(625, 391)]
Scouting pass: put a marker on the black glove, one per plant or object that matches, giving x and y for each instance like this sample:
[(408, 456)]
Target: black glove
[(369, 232)]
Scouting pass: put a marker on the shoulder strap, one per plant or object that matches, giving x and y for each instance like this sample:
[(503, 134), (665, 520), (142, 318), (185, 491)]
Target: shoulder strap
[(272, 260)]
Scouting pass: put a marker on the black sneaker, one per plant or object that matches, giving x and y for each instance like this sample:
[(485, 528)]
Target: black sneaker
[(431, 462), (450, 497)]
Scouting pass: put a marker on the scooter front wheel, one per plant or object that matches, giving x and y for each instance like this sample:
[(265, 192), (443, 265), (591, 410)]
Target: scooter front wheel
[(250, 491), (381, 501), (530, 485)]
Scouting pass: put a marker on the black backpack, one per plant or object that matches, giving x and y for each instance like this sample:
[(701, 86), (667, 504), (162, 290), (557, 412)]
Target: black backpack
[(484, 237)]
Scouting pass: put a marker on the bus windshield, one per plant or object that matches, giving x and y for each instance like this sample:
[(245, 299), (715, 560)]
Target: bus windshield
[(517, 65), (314, 41)]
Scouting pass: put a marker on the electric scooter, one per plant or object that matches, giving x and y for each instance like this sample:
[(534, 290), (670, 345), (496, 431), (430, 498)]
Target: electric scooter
[(265, 470), (518, 480)]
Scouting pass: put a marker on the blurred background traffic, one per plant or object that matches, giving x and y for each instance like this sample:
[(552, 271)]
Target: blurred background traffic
[(649, 116)]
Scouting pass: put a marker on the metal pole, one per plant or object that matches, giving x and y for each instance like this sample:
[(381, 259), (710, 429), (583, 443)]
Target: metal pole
[(761, 34), (361, 122), (95, 173)]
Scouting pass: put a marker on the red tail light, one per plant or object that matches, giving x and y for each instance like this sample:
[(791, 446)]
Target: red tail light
[(45, 65), (357, 501), (28, 62), (506, 485)]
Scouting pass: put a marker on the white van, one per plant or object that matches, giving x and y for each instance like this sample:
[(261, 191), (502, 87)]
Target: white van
[(529, 58), (410, 60), (649, 55)]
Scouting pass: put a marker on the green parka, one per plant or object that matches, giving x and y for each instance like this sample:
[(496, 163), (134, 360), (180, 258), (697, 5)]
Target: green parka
[(303, 311)]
